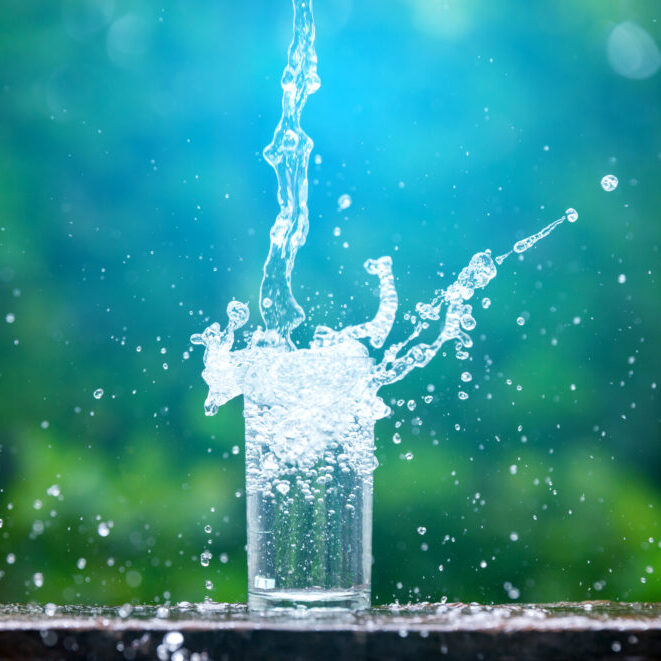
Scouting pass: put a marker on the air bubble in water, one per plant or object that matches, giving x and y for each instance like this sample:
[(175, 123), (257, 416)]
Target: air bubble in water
[(205, 558), (283, 488), (38, 579), (466, 377), (572, 215), (344, 202), (521, 321), (207, 529), (208, 585), (421, 530), (486, 302), (609, 183), (621, 279), (98, 393), (10, 318), (103, 529), (462, 395)]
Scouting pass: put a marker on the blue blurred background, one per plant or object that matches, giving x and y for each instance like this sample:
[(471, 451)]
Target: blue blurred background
[(135, 203)]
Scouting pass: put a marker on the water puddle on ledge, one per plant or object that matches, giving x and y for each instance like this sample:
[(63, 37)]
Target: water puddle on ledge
[(589, 616)]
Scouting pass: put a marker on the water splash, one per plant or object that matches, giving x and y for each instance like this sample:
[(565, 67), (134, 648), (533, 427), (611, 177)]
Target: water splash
[(301, 402)]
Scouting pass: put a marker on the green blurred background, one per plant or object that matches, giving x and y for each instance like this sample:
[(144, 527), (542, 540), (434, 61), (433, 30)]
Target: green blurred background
[(134, 203)]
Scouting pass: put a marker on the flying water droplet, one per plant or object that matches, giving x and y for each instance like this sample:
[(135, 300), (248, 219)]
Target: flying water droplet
[(344, 202), (609, 182)]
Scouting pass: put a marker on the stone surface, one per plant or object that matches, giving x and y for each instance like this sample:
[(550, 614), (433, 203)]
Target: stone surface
[(589, 630)]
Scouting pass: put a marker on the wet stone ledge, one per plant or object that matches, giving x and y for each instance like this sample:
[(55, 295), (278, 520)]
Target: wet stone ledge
[(225, 632)]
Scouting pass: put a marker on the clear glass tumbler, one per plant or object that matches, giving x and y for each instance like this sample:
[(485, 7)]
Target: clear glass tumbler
[(309, 462)]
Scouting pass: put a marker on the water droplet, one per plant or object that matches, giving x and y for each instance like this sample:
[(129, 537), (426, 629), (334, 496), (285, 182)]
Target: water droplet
[(571, 214), (98, 393), (124, 610), (468, 322), (609, 182), (344, 202), (173, 640)]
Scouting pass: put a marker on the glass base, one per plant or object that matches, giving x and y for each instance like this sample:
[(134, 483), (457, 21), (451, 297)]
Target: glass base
[(309, 600)]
